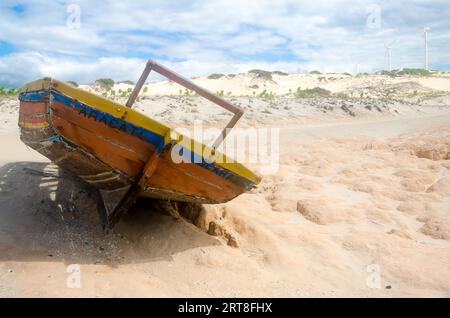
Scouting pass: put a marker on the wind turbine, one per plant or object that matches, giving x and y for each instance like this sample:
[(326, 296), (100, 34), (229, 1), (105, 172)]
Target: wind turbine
[(387, 56), (356, 69), (425, 37)]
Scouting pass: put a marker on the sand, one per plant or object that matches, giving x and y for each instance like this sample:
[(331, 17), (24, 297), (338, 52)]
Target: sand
[(250, 84), (359, 207)]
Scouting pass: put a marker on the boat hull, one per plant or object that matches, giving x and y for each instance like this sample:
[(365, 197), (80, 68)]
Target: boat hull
[(111, 147)]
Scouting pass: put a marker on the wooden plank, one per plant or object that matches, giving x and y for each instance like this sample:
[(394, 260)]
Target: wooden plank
[(192, 179), (114, 156), (141, 149), (32, 107), (33, 114), (149, 169), (133, 192)]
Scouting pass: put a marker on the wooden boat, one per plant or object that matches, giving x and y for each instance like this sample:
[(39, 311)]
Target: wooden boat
[(124, 154)]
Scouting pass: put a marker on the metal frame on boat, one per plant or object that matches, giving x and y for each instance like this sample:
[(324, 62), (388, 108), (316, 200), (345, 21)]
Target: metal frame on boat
[(152, 65)]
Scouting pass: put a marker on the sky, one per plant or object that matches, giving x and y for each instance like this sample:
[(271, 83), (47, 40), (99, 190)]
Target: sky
[(85, 40)]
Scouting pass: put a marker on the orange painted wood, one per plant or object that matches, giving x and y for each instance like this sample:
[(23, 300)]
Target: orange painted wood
[(32, 107), (116, 157), (191, 179), (142, 149), (149, 168), (32, 112)]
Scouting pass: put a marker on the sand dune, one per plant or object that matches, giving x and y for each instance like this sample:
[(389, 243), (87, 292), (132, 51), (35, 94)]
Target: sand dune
[(251, 84)]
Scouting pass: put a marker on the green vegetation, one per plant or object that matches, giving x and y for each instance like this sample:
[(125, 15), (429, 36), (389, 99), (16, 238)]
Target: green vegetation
[(413, 94), (145, 90), (280, 73), (188, 92), (126, 82), (313, 92), (388, 73), (9, 92), (267, 95), (121, 93), (220, 93), (315, 72), (261, 74), (266, 74), (105, 83), (341, 95), (73, 83), (215, 76), (424, 96), (414, 72), (406, 71)]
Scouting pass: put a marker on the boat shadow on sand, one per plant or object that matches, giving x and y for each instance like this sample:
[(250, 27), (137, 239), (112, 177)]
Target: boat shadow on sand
[(47, 214)]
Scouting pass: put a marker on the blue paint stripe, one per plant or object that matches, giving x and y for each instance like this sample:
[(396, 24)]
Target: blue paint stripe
[(98, 115), (110, 120), (193, 157), (33, 96)]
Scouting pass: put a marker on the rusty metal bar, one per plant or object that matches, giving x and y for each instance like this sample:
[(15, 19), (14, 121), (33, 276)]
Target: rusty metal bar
[(139, 85), (194, 87), (152, 65), (226, 130)]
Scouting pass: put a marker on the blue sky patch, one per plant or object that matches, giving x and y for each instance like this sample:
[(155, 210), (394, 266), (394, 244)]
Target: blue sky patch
[(6, 48), (18, 8)]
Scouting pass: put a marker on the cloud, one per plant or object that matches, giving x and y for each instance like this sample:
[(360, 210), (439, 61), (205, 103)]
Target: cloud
[(17, 69), (201, 37), (21, 67)]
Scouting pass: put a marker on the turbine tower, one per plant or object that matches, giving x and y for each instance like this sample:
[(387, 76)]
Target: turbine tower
[(425, 37), (356, 69), (387, 56)]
